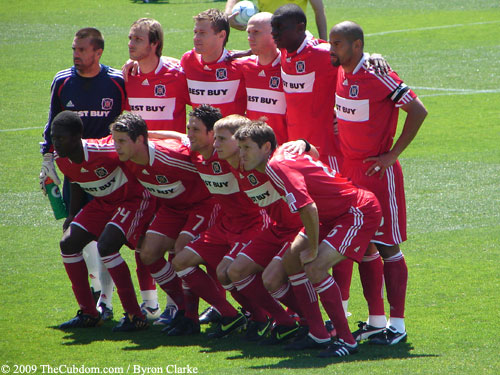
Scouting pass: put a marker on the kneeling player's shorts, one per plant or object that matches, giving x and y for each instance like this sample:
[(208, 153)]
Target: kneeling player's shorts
[(217, 242), (351, 233), (171, 222), (391, 195), (268, 244), (132, 217)]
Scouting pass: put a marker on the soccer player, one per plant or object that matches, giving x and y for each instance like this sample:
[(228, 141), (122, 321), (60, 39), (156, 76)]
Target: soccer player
[(212, 76), (186, 207), (97, 93), (367, 108), (262, 72), (158, 92), (272, 5), (118, 215), (339, 219)]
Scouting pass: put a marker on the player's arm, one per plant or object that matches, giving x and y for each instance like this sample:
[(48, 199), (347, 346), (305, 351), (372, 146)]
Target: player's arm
[(416, 114), (300, 146), (310, 220), (231, 17), (166, 134), (319, 13), (76, 202)]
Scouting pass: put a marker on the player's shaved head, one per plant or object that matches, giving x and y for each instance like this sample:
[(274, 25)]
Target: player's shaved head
[(351, 31), (207, 114), (69, 121), (291, 12), (261, 18)]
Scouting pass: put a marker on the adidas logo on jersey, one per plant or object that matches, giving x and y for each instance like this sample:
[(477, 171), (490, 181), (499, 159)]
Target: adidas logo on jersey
[(70, 104), (145, 82), (83, 170), (262, 73), (345, 83), (145, 172)]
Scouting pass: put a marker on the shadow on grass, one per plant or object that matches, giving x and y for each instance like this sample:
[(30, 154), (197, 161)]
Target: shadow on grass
[(153, 338)]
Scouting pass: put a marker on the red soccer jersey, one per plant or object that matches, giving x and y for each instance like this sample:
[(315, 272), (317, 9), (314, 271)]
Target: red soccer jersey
[(265, 96), (367, 110), (302, 180), (237, 209), (262, 193), (101, 174), (170, 174), (309, 84), (160, 97), (219, 84)]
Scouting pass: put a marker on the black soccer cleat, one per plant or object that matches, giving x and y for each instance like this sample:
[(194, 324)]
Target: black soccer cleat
[(227, 325), (256, 331), (106, 312), (339, 348), (130, 323), (281, 333), (184, 327), (82, 320), (389, 336), (209, 315), (365, 331), (306, 342)]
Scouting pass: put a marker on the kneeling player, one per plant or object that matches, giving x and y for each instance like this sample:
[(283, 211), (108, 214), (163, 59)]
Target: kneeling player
[(333, 210), (118, 214)]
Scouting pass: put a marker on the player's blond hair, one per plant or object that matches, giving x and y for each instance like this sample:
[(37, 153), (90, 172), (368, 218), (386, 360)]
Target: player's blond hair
[(231, 123), (155, 32)]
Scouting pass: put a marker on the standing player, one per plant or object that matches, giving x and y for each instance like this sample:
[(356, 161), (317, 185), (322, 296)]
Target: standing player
[(212, 76), (97, 93), (165, 170), (272, 5), (118, 215), (367, 108), (262, 72), (338, 218), (158, 92)]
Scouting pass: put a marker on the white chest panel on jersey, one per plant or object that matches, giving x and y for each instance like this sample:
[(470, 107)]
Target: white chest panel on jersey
[(166, 191), (352, 110), (294, 84), (267, 101), (106, 185), (223, 184), (263, 195), (201, 92), (153, 109)]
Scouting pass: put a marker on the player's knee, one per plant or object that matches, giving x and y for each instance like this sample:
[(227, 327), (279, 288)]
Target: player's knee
[(107, 247), (180, 262), (222, 275), (315, 272), (271, 282), (147, 257), (235, 273), (68, 246)]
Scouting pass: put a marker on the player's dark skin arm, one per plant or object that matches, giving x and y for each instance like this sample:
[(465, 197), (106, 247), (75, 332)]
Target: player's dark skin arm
[(76, 203)]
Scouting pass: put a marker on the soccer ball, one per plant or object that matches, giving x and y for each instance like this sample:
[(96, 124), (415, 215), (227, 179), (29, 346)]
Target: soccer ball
[(247, 9)]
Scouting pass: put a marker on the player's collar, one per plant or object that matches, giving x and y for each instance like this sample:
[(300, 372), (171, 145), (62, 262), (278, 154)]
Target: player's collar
[(223, 56), (85, 150), (275, 62), (365, 57), (306, 40), (152, 150)]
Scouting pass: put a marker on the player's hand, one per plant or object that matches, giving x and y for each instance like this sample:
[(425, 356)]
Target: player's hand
[(295, 147), (235, 24), (48, 171), (379, 64), (130, 67), (308, 255), (380, 164)]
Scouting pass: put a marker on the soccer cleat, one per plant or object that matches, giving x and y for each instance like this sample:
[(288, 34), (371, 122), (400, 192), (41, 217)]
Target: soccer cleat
[(306, 342), (257, 330), (131, 323), (227, 325), (167, 316), (280, 334), (96, 294), (389, 336), (209, 315), (106, 313), (151, 313), (82, 320), (183, 327), (365, 331), (339, 348)]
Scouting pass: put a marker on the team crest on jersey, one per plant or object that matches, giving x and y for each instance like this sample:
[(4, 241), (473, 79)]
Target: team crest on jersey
[(160, 90), (300, 66), (216, 167), (101, 172), (161, 179), (274, 82), (107, 104), (252, 179), (221, 74), (354, 91)]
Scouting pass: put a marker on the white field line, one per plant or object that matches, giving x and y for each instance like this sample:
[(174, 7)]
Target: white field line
[(19, 129), (450, 91), (431, 28)]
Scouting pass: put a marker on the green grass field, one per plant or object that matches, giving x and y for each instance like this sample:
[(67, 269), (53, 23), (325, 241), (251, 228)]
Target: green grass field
[(447, 50)]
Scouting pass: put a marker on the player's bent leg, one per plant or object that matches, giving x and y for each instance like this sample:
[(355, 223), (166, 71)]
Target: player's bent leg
[(221, 270), (154, 247), (185, 259), (75, 239), (274, 275), (241, 268), (318, 269)]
